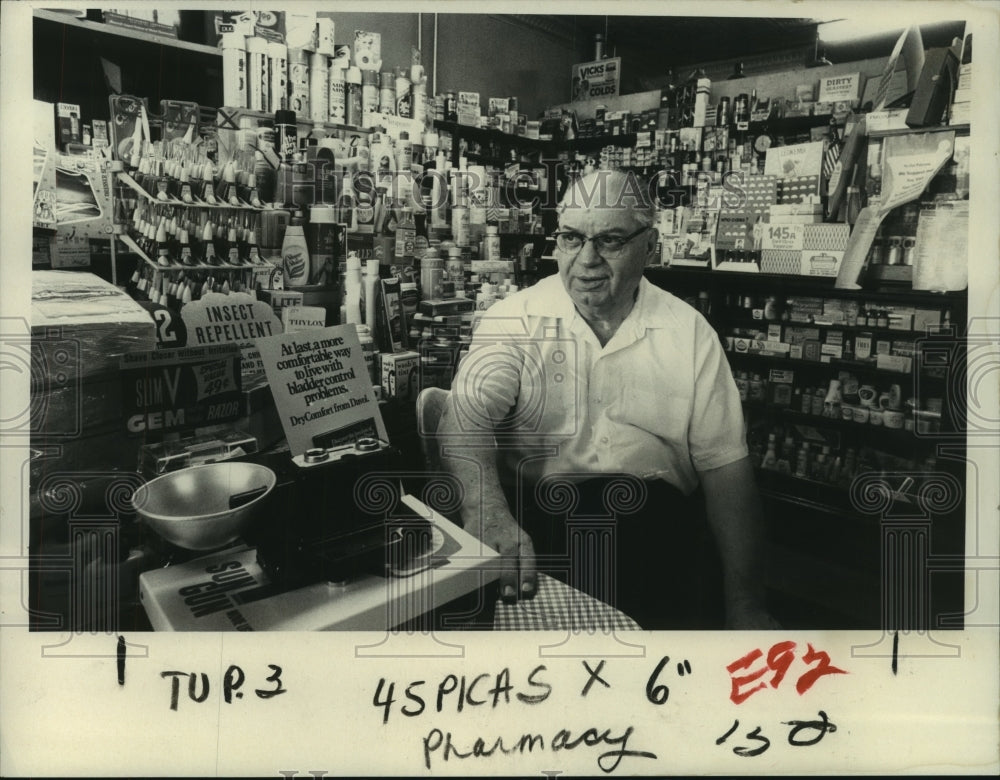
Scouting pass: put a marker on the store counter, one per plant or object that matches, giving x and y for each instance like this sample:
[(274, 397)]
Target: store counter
[(228, 590)]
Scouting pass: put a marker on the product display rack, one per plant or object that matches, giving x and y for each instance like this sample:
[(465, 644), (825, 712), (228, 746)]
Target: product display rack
[(823, 539)]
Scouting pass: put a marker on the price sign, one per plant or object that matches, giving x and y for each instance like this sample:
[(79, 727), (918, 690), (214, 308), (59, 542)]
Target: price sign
[(786, 237)]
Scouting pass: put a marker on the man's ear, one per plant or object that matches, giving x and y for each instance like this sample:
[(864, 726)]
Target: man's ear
[(653, 236)]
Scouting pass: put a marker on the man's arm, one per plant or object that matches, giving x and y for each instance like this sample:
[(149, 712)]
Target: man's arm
[(734, 515), (484, 511)]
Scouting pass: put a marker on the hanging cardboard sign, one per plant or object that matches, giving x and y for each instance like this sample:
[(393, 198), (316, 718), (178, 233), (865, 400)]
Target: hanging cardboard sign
[(321, 387), (596, 80)]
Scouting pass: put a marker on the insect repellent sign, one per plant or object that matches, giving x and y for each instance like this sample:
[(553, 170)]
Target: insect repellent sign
[(598, 79)]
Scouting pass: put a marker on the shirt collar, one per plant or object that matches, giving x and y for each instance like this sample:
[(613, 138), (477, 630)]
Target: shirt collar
[(649, 312)]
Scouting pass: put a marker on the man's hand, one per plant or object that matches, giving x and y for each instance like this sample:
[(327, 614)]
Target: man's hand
[(500, 531)]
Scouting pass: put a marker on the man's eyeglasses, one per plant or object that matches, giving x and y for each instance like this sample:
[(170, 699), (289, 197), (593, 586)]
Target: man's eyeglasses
[(606, 244)]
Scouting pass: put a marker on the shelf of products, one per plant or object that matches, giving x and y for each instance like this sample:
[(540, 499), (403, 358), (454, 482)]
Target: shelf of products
[(123, 33)]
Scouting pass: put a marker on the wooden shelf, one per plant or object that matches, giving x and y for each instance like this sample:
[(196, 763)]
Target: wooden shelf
[(124, 33), (807, 285), (489, 135), (789, 125), (876, 333), (857, 366)]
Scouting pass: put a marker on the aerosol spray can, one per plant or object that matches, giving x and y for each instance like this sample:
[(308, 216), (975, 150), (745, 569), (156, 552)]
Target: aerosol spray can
[(387, 93), (298, 82), (352, 97), (338, 96), (278, 61), (318, 88), (234, 70)]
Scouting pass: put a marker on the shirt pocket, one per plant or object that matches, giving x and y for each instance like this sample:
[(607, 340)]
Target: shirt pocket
[(644, 408)]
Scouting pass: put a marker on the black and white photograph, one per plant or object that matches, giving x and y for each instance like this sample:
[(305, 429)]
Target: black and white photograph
[(556, 391)]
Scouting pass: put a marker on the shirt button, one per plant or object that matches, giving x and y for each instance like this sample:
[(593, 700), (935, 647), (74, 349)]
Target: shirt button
[(604, 440)]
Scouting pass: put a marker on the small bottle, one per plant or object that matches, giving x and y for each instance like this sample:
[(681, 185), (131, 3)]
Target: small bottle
[(253, 255), (819, 396), (787, 456), (369, 287), (455, 266), (743, 385), (770, 460), (802, 460), (492, 242), (162, 247), (186, 258), (403, 99), (817, 469), (352, 290), (431, 275), (233, 256), (807, 397), (369, 350), (406, 236), (404, 152), (756, 388), (295, 254), (486, 297), (207, 240)]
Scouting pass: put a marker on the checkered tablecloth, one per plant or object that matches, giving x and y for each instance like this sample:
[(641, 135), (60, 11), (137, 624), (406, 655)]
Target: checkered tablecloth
[(559, 607)]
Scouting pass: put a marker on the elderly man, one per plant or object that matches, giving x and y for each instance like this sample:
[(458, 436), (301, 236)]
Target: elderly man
[(594, 393)]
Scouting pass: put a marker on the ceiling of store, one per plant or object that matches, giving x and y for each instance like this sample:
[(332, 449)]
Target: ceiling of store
[(650, 46)]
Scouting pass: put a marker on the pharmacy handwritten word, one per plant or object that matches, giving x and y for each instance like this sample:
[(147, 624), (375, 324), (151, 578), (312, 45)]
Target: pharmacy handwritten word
[(779, 658)]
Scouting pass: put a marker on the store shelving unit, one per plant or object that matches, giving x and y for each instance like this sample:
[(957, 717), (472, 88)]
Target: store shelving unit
[(813, 525)]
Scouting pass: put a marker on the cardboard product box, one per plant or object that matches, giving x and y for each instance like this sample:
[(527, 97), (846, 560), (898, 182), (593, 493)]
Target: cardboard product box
[(797, 335), (68, 124), (796, 189), (436, 308), (279, 299), (81, 324), (795, 161), (820, 263), (780, 261), (926, 320), (400, 373), (961, 114), (828, 236), (812, 349)]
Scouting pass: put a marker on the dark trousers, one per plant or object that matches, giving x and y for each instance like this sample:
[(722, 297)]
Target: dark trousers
[(640, 545)]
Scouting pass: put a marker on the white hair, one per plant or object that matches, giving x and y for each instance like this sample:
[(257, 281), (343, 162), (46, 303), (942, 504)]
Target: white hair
[(613, 190)]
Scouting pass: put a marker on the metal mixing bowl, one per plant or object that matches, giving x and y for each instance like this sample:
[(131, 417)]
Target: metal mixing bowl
[(204, 507)]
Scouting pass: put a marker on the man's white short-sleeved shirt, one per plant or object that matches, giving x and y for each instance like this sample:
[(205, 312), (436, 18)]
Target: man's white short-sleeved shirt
[(658, 400)]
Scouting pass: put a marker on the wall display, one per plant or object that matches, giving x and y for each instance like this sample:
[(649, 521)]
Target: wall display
[(868, 415)]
